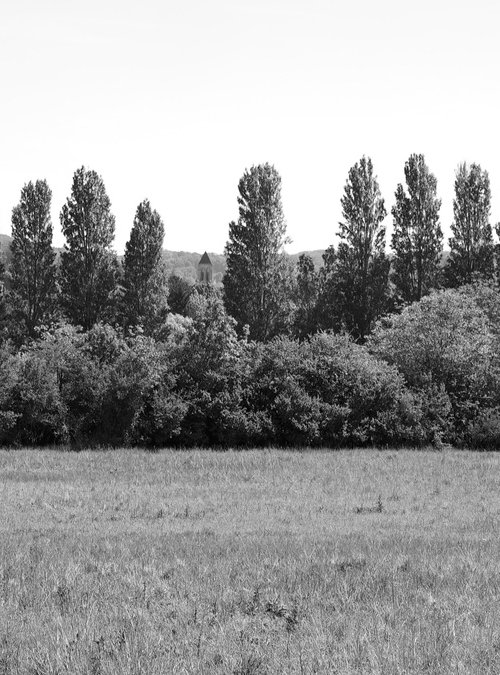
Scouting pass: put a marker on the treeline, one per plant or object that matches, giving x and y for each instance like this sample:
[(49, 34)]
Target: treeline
[(357, 352), (430, 374), (358, 282)]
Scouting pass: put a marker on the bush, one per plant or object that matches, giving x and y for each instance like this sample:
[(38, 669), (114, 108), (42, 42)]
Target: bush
[(445, 349), (330, 391), (484, 432)]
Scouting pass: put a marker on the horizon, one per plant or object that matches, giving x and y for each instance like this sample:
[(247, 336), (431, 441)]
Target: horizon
[(173, 102)]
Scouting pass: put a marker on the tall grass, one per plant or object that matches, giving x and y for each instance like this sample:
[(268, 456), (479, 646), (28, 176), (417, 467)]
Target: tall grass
[(249, 563)]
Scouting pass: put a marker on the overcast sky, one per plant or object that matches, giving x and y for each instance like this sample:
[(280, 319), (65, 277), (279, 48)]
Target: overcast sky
[(171, 101)]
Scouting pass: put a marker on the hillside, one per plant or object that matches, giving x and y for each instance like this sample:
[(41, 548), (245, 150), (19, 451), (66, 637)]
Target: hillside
[(182, 263), (185, 264)]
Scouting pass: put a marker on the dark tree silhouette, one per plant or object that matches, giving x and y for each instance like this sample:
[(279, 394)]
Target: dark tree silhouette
[(88, 265), (417, 239), (357, 279), (471, 246), (144, 275), (32, 266), (257, 276)]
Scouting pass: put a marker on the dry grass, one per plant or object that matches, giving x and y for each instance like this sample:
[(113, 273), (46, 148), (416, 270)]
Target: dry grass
[(249, 563)]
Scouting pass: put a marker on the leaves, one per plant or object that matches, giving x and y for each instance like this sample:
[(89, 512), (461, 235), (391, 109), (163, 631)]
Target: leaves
[(32, 268), (88, 265), (145, 282), (417, 239), (472, 250), (355, 279), (257, 276)]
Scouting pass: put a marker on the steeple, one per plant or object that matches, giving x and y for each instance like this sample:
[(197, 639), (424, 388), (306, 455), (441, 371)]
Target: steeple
[(205, 269)]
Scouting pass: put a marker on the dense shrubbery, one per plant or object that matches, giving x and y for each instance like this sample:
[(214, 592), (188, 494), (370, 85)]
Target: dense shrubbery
[(446, 347), (428, 375)]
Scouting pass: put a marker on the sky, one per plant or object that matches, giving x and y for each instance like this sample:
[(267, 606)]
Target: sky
[(173, 100)]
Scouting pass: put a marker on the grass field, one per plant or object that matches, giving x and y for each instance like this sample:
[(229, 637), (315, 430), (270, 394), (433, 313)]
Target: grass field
[(249, 563)]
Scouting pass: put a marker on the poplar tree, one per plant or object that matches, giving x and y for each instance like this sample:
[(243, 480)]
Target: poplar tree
[(145, 282), (417, 239), (306, 297), (88, 264), (471, 246), (2, 271), (3, 309), (32, 266), (257, 275), (359, 278)]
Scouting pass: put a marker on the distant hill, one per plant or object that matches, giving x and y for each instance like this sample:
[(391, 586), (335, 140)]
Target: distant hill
[(185, 264)]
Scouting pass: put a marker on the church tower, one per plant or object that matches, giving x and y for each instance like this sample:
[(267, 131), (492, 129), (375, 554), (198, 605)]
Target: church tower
[(205, 270)]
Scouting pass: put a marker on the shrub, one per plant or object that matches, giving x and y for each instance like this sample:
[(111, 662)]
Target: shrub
[(444, 348), (484, 432), (330, 391)]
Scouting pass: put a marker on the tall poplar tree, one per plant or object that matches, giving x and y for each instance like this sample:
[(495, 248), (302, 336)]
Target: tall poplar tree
[(417, 239), (257, 275), (145, 281), (32, 266), (2, 271), (88, 264), (2, 293), (471, 246), (306, 298), (359, 275)]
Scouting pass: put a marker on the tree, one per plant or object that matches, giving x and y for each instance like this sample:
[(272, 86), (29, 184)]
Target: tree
[(257, 275), (357, 278), (32, 267), (417, 239), (145, 282), (179, 291), (444, 347), (88, 265), (471, 246), (306, 297), (3, 303)]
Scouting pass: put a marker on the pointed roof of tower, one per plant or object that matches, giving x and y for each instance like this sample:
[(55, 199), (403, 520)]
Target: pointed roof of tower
[(205, 260)]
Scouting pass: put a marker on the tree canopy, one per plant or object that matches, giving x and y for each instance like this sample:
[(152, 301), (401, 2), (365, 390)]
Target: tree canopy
[(256, 278), (32, 267), (144, 276), (417, 238), (88, 264), (471, 246), (357, 274)]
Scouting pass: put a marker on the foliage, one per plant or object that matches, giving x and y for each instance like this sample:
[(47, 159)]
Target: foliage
[(417, 237), (145, 283), (88, 265), (3, 300), (179, 291), (255, 283), (471, 246), (32, 269), (305, 321), (483, 433), (329, 391), (358, 272), (210, 374), (443, 343), (9, 371)]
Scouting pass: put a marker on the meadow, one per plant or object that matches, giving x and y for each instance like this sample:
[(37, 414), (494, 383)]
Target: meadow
[(248, 563)]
